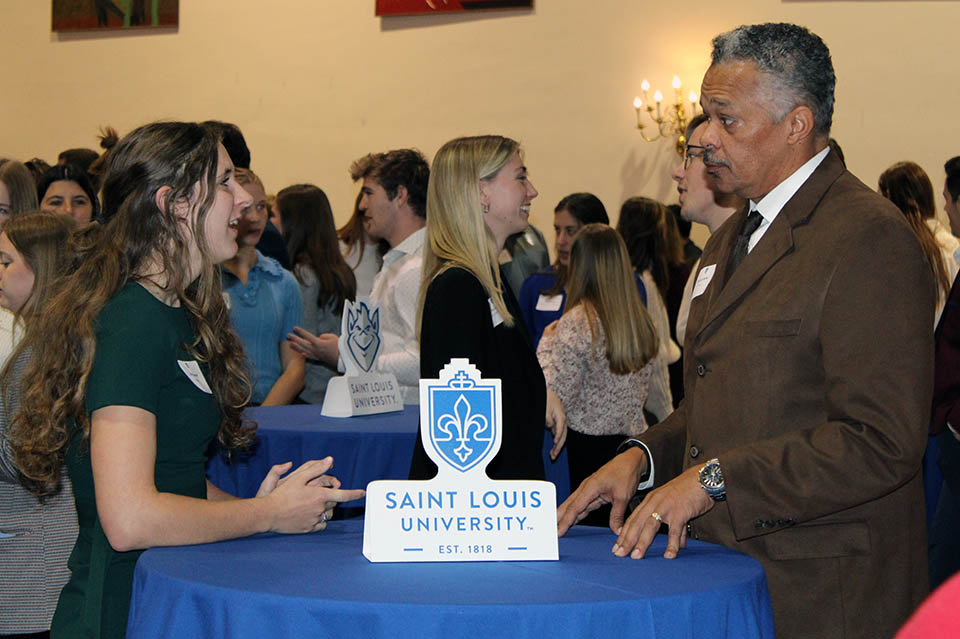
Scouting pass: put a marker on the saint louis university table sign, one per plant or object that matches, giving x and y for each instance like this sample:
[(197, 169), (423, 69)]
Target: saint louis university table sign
[(461, 514), (358, 391)]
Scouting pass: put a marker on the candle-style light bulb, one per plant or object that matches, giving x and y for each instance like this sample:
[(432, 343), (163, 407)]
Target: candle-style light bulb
[(676, 82), (693, 97), (658, 97), (645, 86), (637, 103)]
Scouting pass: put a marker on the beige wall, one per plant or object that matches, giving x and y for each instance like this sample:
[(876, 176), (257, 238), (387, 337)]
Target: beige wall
[(317, 83)]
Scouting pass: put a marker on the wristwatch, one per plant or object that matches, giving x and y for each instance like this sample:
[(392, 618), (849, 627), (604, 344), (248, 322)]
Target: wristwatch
[(711, 479)]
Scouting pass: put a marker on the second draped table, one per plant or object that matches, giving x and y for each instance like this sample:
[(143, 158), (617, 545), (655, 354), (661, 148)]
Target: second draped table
[(363, 448)]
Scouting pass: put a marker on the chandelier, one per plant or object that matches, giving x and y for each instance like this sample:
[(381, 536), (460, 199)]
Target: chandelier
[(669, 121)]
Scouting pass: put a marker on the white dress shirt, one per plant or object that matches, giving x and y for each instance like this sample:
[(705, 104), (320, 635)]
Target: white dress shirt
[(773, 202), (684, 313), (396, 289), (949, 247), (659, 398)]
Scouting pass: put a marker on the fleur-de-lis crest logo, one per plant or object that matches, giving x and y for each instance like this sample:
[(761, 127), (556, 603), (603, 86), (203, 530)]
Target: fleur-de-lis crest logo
[(363, 330), (462, 429)]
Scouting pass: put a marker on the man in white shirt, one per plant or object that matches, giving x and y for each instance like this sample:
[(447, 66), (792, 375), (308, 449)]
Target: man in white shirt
[(808, 365), (394, 206), (699, 202)]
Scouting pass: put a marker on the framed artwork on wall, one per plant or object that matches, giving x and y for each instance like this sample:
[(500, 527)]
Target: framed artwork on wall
[(412, 7), (86, 15)]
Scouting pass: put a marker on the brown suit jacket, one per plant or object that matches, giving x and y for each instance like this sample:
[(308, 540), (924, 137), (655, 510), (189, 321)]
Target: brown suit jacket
[(809, 375)]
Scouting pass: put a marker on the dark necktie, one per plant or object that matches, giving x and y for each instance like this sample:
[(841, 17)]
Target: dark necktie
[(743, 240)]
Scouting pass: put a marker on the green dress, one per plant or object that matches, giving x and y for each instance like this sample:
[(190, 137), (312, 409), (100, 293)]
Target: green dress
[(140, 361)]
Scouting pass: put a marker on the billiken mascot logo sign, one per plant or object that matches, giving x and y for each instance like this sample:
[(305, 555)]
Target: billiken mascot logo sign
[(361, 390), (461, 514)]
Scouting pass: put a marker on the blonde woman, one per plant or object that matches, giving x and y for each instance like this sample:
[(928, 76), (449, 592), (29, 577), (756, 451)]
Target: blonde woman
[(478, 196), (597, 356)]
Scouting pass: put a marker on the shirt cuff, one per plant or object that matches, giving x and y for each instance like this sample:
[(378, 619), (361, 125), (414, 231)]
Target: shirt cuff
[(647, 483)]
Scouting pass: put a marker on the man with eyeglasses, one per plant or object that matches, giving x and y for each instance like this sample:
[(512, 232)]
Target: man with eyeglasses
[(699, 202)]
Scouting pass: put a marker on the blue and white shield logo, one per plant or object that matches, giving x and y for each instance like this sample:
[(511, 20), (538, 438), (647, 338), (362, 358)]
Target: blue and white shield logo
[(462, 425)]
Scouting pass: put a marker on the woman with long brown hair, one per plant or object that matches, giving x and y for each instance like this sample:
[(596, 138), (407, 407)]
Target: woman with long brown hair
[(326, 281), (907, 185), (641, 225), (35, 536), (135, 372), (597, 356)]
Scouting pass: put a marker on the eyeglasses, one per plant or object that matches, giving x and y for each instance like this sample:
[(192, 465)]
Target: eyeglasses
[(690, 153)]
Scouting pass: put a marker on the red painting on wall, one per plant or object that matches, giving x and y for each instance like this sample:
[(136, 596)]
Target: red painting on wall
[(83, 15), (411, 7)]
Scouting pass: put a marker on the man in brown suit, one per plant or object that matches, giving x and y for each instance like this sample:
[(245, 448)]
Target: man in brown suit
[(809, 364)]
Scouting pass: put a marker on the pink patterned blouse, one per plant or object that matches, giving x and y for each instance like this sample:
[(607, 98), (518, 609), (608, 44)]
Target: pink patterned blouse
[(596, 400)]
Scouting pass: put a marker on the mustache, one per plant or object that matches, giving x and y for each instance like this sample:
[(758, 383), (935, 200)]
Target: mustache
[(709, 157)]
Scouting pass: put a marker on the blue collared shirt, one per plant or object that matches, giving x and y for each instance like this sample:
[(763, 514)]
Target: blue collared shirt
[(262, 313)]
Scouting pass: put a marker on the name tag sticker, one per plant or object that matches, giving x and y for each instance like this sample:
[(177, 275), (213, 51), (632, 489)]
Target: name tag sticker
[(495, 314), (192, 370), (549, 302), (703, 280)]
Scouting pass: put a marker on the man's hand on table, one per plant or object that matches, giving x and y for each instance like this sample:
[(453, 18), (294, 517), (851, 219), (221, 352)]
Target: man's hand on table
[(615, 483), (676, 502)]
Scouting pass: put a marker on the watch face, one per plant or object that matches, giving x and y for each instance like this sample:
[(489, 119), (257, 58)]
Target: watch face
[(711, 478)]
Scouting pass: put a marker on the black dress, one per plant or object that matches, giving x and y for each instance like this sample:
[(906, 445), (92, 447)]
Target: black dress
[(457, 322)]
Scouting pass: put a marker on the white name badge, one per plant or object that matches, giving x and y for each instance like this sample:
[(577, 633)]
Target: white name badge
[(192, 370), (549, 302), (703, 279), (461, 514), (494, 314)]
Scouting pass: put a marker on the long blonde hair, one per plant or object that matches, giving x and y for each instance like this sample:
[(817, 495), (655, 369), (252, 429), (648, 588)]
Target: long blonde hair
[(602, 280), (457, 235)]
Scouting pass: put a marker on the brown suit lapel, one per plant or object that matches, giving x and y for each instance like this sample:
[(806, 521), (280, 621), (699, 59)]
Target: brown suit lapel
[(775, 243)]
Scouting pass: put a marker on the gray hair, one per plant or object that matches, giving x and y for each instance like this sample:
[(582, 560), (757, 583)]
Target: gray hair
[(797, 61)]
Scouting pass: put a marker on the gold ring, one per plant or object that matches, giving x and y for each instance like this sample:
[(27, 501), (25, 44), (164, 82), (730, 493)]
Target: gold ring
[(657, 517)]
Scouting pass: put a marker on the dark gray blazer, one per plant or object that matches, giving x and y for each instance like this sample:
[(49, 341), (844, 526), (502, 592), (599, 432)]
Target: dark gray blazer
[(33, 561)]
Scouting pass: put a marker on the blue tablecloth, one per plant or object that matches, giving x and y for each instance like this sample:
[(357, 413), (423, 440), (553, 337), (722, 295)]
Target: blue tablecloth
[(320, 585), (363, 448)]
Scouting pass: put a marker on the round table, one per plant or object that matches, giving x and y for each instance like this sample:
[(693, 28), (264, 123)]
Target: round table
[(319, 585)]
